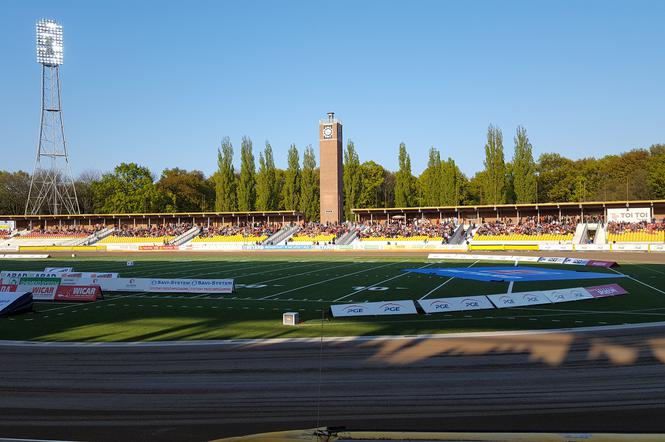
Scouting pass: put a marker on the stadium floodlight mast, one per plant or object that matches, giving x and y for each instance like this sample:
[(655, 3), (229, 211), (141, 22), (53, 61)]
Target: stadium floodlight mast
[(51, 185)]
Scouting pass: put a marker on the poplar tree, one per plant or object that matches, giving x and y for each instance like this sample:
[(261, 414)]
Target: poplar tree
[(291, 189), (495, 168), (225, 186), (266, 181), (247, 183), (431, 179), (352, 178), (404, 181), (309, 186), (524, 169)]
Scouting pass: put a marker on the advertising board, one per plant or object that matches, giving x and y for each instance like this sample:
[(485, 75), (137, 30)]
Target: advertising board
[(456, 304), (7, 225), (79, 293), (629, 214), (521, 299), (374, 309)]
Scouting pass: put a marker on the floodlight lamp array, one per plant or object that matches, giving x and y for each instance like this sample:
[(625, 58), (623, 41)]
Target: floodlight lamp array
[(49, 42)]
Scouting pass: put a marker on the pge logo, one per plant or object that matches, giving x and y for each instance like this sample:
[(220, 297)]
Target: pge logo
[(531, 298), (471, 303), (508, 301), (391, 307), (440, 305), (354, 309)]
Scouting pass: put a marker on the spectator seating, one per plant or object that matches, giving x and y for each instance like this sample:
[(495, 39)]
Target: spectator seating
[(420, 230), (319, 233), (636, 232), (244, 233), (528, 229), (154, 234)]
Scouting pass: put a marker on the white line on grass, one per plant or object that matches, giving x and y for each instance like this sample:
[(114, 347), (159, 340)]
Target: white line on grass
[(328, 280), (444, 283), (377, 283), (638, 281), (511, 283), (306, 273)]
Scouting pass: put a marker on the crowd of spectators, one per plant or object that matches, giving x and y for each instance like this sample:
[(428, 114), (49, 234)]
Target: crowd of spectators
[(401, 229), (619, 227), (314, 230), (544, 225), (243, 229), (65, 232), (153, 231), (4, 234)]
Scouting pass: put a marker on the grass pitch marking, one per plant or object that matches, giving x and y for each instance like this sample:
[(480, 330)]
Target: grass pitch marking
[(377, 283), (444, 282), (328, 280), (640, 282)]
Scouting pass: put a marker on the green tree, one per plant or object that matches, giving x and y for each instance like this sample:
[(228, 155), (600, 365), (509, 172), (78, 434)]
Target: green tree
[(656, 172), (524, 169), (404, 181), (266, 183), (247, 182), (309, 186), (291, 189), (83, 185), (556, 178), (226, 199), (352, 179), (14, 187), (495, 168), (129, 189), (430, 180), (450, 191), (280, 181), (187, 191), (372, 185)]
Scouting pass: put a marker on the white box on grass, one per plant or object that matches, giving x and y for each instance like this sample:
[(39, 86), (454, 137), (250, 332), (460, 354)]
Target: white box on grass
[(290, 318)]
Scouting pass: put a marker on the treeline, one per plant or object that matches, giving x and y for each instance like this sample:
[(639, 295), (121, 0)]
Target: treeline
[(131, 188)]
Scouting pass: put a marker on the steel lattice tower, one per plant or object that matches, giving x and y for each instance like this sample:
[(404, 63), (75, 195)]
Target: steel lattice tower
[(51, 186)]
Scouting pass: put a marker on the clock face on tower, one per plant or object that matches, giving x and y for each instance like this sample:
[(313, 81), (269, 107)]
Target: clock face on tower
[(327, 132)]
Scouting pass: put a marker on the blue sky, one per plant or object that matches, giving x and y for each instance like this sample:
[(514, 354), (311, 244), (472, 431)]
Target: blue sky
[(160, 83)]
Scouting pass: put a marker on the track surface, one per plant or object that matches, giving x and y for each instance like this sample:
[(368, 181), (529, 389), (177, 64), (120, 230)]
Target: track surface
[(609, 381)]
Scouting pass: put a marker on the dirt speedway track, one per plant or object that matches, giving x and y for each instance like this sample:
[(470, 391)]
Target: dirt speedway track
[(599, 380)]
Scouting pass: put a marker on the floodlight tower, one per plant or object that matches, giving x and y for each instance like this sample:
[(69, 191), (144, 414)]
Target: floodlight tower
[(51, 186)]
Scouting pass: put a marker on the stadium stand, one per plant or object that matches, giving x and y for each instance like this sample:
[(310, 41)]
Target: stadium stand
[(244, 232), (419, 230), (317, 233), (155, 234), (642, 231), (545, 228)]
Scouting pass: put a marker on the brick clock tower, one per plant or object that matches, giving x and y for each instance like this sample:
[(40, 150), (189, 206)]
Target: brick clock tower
[(330, 142)]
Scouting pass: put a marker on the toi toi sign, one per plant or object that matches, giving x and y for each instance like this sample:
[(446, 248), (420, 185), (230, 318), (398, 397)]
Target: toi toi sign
[(629, 215)]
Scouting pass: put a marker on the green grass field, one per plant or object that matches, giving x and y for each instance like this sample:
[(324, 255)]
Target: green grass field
[(269, 286)]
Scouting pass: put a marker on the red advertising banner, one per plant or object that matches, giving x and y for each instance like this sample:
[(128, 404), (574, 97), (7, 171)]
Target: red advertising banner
[(602, 291), (166, 247), (595, 263), (80, 293)]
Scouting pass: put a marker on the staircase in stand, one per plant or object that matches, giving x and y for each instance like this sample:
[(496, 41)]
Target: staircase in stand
[(188, 235), (281, 235)]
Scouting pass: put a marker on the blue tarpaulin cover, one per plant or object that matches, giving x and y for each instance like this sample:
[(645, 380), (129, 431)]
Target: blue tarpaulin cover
[(512, 273)]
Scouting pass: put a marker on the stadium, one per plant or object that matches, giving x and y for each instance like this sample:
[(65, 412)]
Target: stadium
[(347, 302)]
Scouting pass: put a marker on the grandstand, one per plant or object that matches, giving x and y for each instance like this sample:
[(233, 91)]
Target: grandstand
[(562, 225)]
